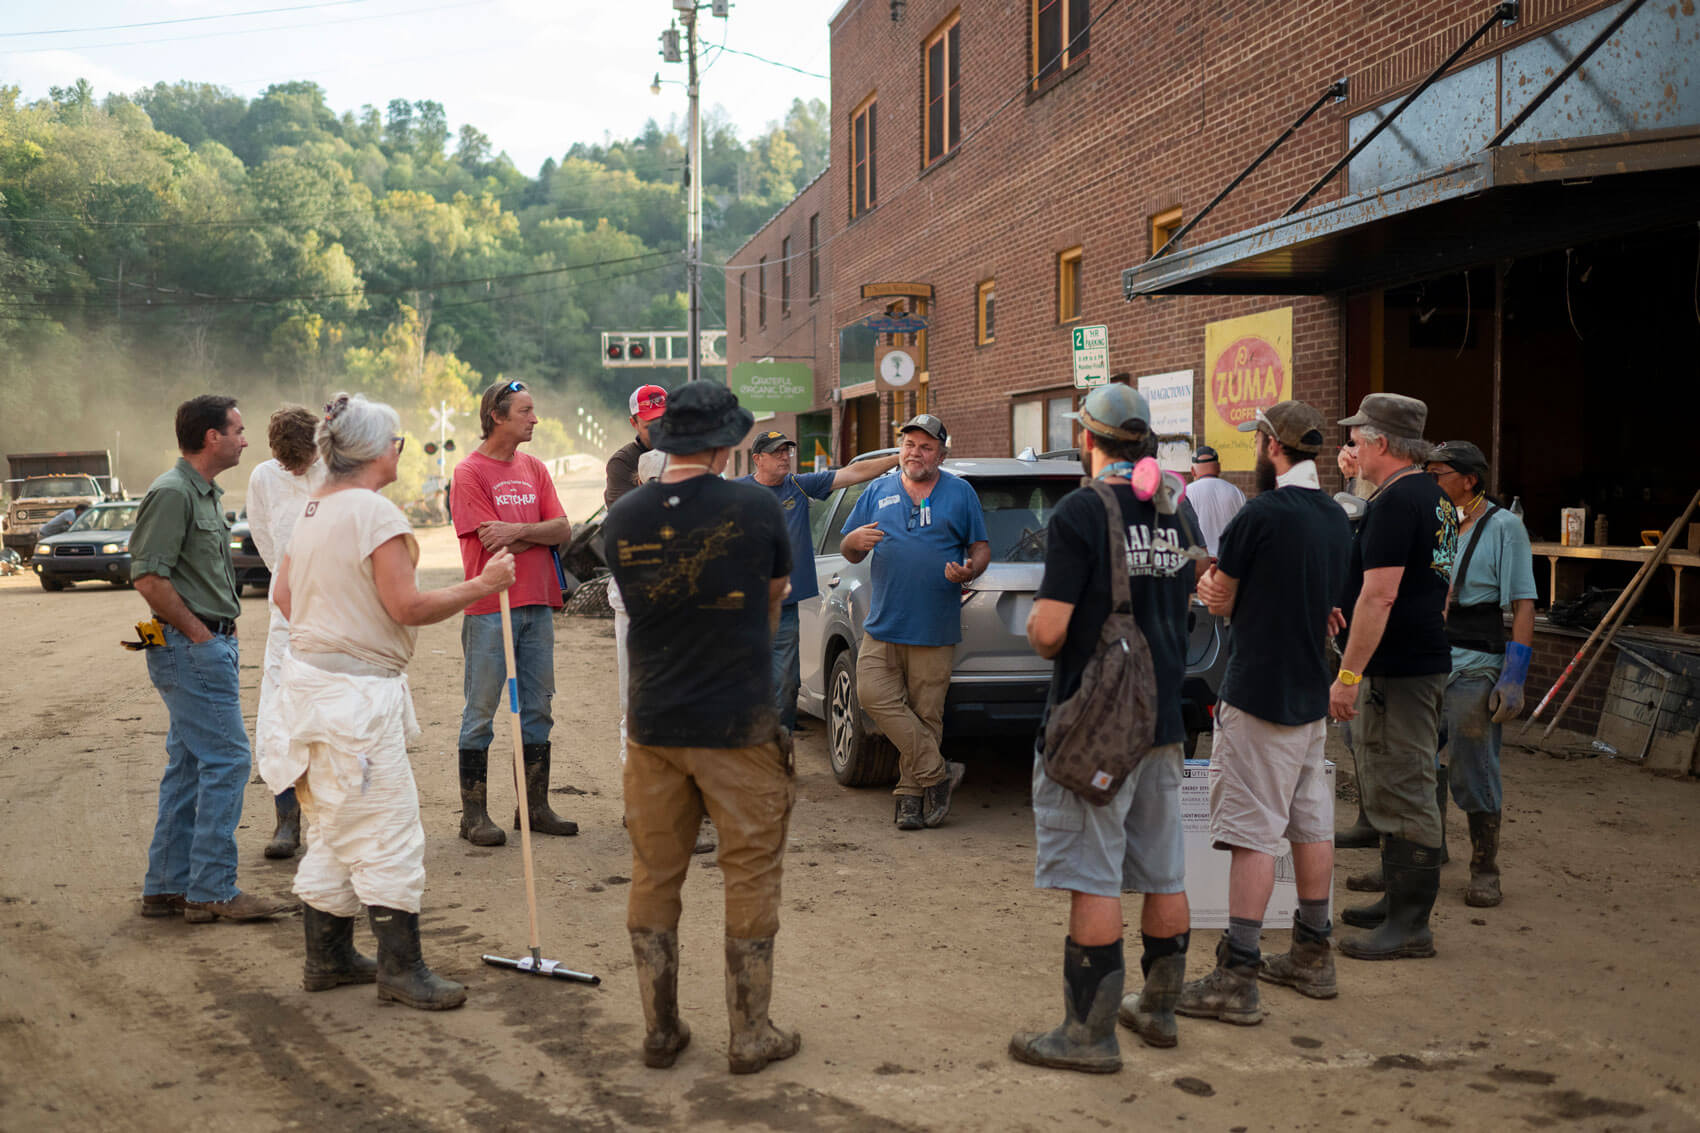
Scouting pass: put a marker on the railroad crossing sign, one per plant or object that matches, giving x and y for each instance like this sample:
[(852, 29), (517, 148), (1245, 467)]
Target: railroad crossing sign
[(441, 419), (1091, 356)]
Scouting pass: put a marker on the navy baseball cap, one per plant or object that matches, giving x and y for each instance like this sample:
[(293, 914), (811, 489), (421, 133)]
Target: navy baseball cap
[(1205, 455)]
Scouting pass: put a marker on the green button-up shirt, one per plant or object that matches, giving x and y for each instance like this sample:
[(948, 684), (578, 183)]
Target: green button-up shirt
[(181, 535)]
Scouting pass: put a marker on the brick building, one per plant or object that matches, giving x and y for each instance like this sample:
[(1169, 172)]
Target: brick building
[(1008, 168)]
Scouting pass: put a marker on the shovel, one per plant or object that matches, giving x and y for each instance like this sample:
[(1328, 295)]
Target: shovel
[(533, 964)]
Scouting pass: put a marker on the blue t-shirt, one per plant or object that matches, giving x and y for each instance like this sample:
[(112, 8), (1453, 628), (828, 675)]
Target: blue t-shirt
[(794, 493), (1502, 571), (912, 602)]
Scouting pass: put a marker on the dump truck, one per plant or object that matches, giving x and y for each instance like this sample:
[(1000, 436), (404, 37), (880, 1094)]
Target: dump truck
[(43, 484)]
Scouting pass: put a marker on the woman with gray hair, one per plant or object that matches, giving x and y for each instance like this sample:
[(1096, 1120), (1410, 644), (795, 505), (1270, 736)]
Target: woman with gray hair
[(347, 587)]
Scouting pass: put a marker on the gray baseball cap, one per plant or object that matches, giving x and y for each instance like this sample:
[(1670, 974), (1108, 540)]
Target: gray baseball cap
[(1115, 411), (1394, 414), (929, 425)]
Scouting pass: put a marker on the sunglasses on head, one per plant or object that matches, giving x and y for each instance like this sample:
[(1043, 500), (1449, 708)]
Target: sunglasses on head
[(515, 387)]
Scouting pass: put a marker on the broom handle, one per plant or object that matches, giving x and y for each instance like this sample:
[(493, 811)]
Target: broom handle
[(535, 939)]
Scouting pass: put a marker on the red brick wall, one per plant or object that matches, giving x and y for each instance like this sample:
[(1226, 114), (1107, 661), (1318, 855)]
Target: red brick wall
[(1553, 650)]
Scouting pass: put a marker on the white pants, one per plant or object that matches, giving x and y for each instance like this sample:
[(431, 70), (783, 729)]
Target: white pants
[(271, 738), (622, 625)]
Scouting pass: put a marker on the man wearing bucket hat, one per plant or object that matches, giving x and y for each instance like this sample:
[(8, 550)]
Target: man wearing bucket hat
[(1134, 844), (770, 457), (1495, 571), (1393, 671), (703, 564), (927, 535)]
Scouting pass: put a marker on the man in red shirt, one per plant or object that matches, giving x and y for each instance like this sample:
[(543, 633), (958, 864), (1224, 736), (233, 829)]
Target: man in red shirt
[(504, 498)]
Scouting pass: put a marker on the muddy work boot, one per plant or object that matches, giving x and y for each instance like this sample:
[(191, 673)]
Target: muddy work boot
[(665, 1034), (543, 819), (402, 974), (1228, 993), (1308, 968), (707, 840), (1483, 890), (475, 824), (1413, 879), (909, 813), (242, 907), (1369, 881), (749, 986), (1086, 1039), (935, 800), (331, 958), (286, 839), (1151, 1013), (163, 904)]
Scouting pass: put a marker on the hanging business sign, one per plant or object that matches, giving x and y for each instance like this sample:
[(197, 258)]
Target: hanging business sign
[(1248, 365), (774, 387), (895, 324), (1170, 398)]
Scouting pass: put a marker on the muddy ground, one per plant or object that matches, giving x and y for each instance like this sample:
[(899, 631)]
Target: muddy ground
[(905, 959)]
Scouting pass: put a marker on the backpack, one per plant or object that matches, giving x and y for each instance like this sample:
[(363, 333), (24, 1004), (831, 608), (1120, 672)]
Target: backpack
[(1096, 738)]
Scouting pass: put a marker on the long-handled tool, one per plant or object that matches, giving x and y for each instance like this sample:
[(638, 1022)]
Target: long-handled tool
[(534, 964)]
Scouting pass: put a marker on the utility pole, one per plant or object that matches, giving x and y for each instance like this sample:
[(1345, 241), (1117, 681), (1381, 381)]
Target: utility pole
[(693, 200)]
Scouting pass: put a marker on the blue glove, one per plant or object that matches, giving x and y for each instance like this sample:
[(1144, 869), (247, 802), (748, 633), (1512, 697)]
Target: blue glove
[(1506, 699)]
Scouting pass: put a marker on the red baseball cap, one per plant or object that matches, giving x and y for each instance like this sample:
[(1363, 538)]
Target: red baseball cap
[(648, 402)]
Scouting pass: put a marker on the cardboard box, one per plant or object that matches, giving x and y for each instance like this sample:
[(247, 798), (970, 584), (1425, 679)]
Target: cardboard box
[(1207, 868)]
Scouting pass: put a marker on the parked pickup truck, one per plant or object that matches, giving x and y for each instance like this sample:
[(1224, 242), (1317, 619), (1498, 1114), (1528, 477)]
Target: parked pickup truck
[(43, 484)]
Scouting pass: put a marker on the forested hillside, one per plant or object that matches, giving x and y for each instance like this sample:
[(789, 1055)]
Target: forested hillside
[(181, 239)]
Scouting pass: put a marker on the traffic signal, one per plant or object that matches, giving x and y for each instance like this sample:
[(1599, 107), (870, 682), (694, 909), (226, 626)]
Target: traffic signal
[(449, 445), (430, 448), (616, 351), (638, 351)]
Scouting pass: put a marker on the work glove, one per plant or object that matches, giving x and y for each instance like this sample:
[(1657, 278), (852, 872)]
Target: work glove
[(1506, 699)]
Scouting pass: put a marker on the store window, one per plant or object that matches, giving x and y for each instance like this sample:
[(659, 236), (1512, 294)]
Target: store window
[(985, 305), (1041, 423), (1059, 36), (1069, 279), (864, 189), (941, 126)]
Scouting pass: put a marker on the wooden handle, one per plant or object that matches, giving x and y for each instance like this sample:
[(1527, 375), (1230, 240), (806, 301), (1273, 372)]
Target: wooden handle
[(535, 940)]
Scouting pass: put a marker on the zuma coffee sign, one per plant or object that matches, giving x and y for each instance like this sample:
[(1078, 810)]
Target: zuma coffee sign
[(774, 387), (1248, 365)]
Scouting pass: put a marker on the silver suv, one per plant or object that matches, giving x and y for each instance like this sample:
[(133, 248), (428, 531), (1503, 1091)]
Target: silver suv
[(999, 685)]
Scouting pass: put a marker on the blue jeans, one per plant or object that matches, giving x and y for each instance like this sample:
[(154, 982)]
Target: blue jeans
[(1472, 744), (787, 672), (206, 769), (487, 674)]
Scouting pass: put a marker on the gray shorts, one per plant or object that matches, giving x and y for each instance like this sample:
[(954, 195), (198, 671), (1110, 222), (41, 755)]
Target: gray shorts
[(1268, 782), (1134, 844)]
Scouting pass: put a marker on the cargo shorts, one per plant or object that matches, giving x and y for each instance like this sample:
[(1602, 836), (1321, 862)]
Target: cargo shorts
[(1133, 844), (1268, 782)]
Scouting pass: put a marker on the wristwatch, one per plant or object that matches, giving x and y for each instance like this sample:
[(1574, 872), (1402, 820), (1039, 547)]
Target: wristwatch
[(1349, 678)]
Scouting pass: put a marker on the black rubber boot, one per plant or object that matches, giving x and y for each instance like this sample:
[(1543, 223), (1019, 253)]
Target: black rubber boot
[(1092, 994), (1442, 788), (1483, 891), (749, 987), (1413, 880), (1151, 1013), (331, 958), (286, 839), (402, 974), (1308, 969), (543, 819), (475, 824), (665, 1034), (1360, 835)]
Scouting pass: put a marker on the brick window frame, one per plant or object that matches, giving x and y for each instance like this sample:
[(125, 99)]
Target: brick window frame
[(1036, 419), (761, 293), (1058, 39), (864, 156), (814, 256), (1164, 225), (785, 278), (985, 313), (1071, 279), (743, 306), (941, 81)]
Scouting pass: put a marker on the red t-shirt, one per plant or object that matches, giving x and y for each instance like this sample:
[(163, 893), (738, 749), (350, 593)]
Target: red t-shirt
[(516, 491)]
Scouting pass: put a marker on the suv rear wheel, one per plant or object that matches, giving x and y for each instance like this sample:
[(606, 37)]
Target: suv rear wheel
[(859, 758)]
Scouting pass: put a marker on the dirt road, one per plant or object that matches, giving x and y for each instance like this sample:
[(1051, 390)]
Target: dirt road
[(906, 960)]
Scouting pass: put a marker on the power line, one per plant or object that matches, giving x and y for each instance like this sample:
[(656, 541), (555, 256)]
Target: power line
[(775, 63), (182, 20)]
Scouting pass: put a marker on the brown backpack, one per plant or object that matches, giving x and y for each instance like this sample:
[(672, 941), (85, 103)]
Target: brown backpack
[(1095, 739)]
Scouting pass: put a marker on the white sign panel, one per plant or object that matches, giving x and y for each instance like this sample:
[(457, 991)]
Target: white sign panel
[(1170, 398), (1091, 356)]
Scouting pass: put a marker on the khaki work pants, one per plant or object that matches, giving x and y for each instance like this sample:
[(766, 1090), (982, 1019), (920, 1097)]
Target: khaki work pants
[(1397, 732), (747, 791), (903, 688)]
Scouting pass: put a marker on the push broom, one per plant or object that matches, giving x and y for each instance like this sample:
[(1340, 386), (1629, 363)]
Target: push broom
[(533, 964)]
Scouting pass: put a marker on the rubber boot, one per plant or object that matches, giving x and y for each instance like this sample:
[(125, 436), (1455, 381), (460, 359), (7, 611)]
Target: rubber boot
[(1442, 788), (1151, 1013), (286, 839), (1086, 1039), (475, 824), (1360, 835), (1413, 880), (1483, 891), (331, 958), (1308, 968), (665, 1034), (543, 819), (1228, 993), (749, 986), (402, 974)]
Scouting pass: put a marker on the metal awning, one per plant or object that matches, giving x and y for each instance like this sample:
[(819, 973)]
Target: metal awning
[(1502, 203)]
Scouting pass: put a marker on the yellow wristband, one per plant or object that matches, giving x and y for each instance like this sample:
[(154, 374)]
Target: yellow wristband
[(1349, 678)]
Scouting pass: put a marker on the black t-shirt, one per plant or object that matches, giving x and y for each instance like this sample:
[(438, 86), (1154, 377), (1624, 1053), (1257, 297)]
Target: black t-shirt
[(1410, 523), (1077, 571), (693, 561), (621, 471), (1289, 551)]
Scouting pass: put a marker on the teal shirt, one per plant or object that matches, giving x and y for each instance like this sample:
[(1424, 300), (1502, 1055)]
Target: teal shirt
[(1502, 571), (181, 535)]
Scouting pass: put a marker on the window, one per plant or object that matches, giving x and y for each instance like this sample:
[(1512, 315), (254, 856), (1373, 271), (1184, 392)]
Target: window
[(1068, 285), (814, 255), (941, 126), (985, 329), (785, 277), (1040, 423), (1163, 226), (743, 294), (1059, 36), (761, 292), (864, 190)]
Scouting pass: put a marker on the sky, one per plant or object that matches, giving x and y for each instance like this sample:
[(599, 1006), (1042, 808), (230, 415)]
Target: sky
[(534, 75)]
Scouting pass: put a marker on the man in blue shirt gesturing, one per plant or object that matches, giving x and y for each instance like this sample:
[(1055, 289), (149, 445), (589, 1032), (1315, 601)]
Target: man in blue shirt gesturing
[(926, 532)]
